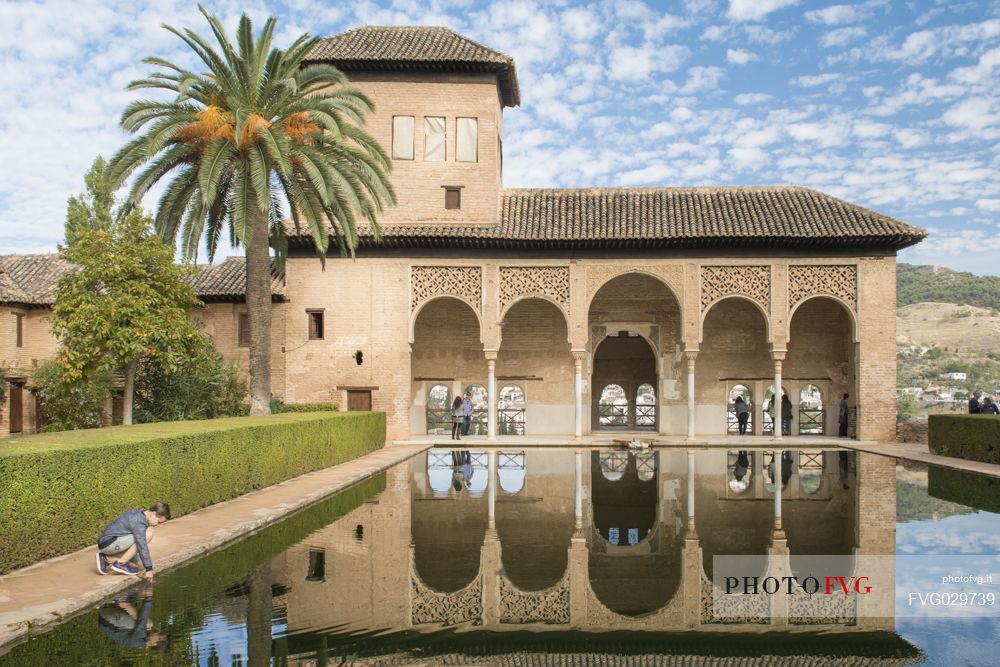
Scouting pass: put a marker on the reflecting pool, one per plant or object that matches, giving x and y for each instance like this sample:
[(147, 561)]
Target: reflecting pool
[(561, 556)]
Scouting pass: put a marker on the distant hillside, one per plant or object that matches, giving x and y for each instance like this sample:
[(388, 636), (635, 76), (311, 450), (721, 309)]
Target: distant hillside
[(920, 284)]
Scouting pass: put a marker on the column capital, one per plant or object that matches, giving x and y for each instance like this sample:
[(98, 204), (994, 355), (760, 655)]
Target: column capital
[(691, 355), (778, 355), (579, 353), (491, 355)]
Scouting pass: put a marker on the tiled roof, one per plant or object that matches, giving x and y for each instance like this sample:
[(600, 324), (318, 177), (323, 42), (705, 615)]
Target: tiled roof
[(417, 48), (31, 279), (711, 217), (227, 281)]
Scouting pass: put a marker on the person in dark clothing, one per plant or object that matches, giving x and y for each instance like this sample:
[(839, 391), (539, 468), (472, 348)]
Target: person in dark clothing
[(844, 464), (974, 406), (786, 415), (127, 536), (842, 416), (742, 414), (989, 407), (741, 466), (457, 417)]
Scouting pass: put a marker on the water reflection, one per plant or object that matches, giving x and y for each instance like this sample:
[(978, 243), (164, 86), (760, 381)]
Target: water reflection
[(561, 540)]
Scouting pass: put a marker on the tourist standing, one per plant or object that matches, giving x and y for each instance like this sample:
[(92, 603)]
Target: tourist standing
[(842, 416), (974, 406), (467, 413), (989, 407), (786, 415), (456, 418), (742, 414)]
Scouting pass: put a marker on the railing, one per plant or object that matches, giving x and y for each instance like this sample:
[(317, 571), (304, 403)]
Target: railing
[(611, 414), (811, 421), (510, 421), (645, 415), (438, 422)]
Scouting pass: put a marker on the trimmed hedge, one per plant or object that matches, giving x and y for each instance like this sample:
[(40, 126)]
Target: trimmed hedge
[(970, 437), (59, 490), (965, 488), (306, 407)]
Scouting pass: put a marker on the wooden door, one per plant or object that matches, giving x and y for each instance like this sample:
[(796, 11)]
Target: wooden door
[(359, 400), (16, 407)]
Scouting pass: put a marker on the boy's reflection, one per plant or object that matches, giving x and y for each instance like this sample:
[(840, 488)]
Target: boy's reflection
[(126, 621)]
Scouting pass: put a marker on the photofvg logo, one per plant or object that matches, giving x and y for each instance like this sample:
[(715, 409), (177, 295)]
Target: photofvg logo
[(782, 586)]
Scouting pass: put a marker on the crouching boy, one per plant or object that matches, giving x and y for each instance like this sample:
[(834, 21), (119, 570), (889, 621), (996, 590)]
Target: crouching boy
[(128, 535)]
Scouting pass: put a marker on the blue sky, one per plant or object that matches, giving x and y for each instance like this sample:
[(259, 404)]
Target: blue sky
[(893, 105)]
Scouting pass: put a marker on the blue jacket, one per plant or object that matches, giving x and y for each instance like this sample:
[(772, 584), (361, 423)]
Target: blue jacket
[(132, 522)]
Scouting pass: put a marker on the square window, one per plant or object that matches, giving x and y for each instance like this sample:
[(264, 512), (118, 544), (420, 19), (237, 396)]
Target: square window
[(434, 139), (402, 137), (243, 334), (315, 324), (467, 144), (317, 565), (452, 198)]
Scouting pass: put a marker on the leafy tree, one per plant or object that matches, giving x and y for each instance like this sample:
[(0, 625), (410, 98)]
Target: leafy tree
[(201, 385), (127, 301), (92, 210), (258, 131), (69, 404), (906, 407)]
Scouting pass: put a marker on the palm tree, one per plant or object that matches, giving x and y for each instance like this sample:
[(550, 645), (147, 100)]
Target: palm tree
[(254, 134)]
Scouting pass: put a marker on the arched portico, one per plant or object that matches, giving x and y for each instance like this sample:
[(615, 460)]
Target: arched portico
[(535, 357), (446, 351), (634, 327), (822, 355), (735, 352)]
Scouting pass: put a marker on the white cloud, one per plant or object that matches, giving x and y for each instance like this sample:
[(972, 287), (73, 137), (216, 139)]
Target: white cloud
[(702, 79), (755, 10), (629, 63), (749, 99), (982, 72), (810, 81), (842, 36), (921, 45), (989, 205), (973, 114), (834, 15), (740, 56)]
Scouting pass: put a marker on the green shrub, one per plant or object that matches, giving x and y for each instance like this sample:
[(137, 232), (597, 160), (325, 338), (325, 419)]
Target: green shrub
[(200, 385), (307, 407), (975, 491), (971, 437), (70, 405), (58, 491)]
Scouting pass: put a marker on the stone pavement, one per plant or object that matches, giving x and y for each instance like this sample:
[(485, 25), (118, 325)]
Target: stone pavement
[(53, 590), (915, 451)]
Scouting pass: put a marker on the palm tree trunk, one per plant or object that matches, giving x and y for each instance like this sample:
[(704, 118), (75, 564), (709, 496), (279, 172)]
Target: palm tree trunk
[(259, 313), (129, 391)]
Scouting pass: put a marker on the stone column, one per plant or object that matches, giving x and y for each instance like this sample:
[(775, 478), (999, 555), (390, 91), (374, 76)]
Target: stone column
[(491, 392), (778, 356), (578, 357), (491, 485), (776, 460), (690, 499), (579, 490), (690, 355)]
